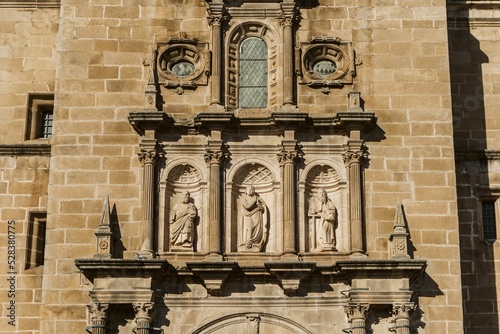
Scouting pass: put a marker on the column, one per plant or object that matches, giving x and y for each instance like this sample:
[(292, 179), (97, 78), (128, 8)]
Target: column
[(143, 318), (356, 314), (147, 157), (99, 318), (214, 161), (401, 312), (286, 20), (286, 159), (353, 161), (215, 20)]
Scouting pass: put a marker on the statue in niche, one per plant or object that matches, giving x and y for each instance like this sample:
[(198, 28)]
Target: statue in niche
[(182, 223), (323, 221), (254, 227)]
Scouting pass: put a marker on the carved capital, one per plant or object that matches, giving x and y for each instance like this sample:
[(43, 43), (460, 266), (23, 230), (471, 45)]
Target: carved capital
[(403, 310), (356, 311), (142, 310), (354, 157), (287, 157), (98, 311), (148, 157), (214, 157), (216, 20), (288, 15)]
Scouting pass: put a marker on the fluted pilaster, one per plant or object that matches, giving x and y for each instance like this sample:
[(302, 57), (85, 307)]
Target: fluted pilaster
[(401, 314), (148, 157), (99, 317), (356, 314), (353, 160), (287, 158), (286, 20), (143, 317), (214, 161)]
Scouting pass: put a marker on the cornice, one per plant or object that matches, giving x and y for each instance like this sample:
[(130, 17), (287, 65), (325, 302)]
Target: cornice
[(30, 4), (477, 155), (25, 149)]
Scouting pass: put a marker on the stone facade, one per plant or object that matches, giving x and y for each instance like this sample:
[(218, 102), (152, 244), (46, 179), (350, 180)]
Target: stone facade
[(351, 202)]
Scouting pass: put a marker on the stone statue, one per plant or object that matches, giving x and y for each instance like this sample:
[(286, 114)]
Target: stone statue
[(254, 225), (182, 223), (323, 220)]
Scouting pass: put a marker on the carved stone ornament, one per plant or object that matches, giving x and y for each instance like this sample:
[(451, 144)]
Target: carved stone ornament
[(98, 311), (325, 62), (182, 63), (182, 219)]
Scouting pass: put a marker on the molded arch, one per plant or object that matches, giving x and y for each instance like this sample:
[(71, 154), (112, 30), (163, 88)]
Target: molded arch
[(215, 323), (237, 168)]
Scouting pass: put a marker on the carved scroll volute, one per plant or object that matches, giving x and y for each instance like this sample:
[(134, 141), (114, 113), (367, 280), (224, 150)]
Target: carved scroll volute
[(143, 317), (99, 318)]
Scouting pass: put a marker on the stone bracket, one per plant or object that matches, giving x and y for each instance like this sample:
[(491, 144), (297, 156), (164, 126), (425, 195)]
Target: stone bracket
[(143, 121), (290, 274), (214, 274)]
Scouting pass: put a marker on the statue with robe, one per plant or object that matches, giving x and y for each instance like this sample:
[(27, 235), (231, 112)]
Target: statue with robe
[(254, 225), (323, 221), (182, 219)]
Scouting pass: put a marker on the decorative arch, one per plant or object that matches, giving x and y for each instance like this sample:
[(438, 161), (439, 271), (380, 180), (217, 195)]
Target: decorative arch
[(180, 176), (244, 175), (255, 320), (236, 36)]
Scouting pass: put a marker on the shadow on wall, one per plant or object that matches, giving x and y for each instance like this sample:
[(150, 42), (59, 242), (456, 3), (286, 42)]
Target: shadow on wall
[(477, 257)]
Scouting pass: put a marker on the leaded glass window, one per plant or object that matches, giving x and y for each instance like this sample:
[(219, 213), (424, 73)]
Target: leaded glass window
[(253, 73)]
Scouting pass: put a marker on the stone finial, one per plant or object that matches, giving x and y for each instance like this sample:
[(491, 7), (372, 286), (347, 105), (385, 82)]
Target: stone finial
[(104, 233), (399, 237)]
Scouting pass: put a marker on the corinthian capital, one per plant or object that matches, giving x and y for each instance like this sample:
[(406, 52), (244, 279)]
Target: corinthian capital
[(287, 157), (356, 311), (98, 310), (403, 310), (142, 310), (147, 156), (351, 157), (214, 157)]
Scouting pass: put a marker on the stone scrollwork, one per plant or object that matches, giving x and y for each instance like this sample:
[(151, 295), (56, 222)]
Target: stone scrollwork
[(182, 63), (326, 62)]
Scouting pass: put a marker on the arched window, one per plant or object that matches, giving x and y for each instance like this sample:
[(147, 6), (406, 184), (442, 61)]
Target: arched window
[(253, 73)]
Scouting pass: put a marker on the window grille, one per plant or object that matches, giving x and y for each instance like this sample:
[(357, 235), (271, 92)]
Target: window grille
[(489, 222), (47, 118)]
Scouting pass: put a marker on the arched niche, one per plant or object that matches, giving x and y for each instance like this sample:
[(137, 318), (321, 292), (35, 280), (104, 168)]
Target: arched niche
[(179, 178), (263, 181), (250, 323), (318, 179)]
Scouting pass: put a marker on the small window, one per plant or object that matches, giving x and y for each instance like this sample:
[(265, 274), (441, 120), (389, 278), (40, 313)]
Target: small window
[(489, 221), (253, 73), (35, 243), (39, 118)]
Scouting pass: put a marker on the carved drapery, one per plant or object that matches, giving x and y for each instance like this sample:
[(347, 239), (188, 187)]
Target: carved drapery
[(98, 317), (143, 317), (286, 159), (148, 157), (353, 160), (214, 161), (356, 314), (401, 314)]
